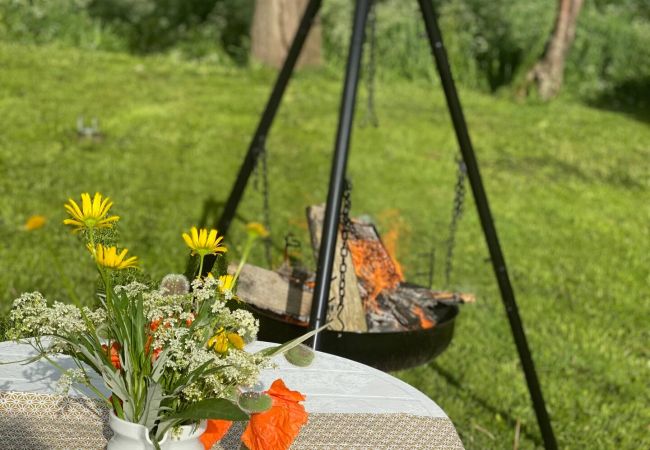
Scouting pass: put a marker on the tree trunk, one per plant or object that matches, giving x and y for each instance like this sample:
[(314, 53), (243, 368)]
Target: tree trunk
[(547, 74), (274, 25)]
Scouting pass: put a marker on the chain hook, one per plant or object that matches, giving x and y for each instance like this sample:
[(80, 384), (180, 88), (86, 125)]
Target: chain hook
[(346, 227), (457, 212)]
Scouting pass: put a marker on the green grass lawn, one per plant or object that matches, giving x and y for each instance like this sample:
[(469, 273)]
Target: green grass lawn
[(569, 189)]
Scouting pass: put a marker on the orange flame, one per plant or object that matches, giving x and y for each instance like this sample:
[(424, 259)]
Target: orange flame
[(375, 268), (390, 242), (424, 321)]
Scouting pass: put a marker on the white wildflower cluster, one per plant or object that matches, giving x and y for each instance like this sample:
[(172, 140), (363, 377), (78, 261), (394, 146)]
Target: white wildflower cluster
[(132, 289), (237, 368), (159, 306), (243, 368), (69, 377), (219, 306), (96, 316), (245, 324), (30, 316), (66, 319), (180, 347), (203, 290), (217, 339), (171, 316), (193, 393)]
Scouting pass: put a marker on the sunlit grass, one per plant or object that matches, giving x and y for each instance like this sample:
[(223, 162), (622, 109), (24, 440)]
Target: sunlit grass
[(568, 186)]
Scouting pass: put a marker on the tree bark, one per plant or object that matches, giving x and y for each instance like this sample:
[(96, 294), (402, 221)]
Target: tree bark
[(274, 25), (548, 73)]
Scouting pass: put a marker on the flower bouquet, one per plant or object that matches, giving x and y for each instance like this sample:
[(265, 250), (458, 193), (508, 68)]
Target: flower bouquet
[(172, 356)]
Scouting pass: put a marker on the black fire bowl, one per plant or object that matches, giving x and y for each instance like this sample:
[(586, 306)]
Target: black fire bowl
[(387, 351)]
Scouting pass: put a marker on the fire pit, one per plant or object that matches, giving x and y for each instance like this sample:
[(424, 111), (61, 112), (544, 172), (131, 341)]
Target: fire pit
[(381, 320), (391, 350)]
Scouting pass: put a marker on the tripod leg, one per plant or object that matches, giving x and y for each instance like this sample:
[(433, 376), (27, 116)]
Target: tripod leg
[(498, 261), (331, 222), (259, 138)]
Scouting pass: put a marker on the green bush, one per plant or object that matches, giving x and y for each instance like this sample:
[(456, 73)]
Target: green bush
[(63, 22), (612, 50), (492, 44), (196, 27), (487, 42)]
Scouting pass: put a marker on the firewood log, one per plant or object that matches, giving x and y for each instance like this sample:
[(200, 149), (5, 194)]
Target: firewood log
[(353, 315)]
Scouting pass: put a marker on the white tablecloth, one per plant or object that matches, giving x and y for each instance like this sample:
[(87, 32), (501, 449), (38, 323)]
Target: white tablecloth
[(331, 384)]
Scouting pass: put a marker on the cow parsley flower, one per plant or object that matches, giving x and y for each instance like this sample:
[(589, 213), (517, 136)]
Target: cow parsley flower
[(68, 378)]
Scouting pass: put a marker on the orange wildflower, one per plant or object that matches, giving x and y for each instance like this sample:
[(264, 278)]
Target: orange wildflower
[(278, 427), (153, 326), (114, 354)]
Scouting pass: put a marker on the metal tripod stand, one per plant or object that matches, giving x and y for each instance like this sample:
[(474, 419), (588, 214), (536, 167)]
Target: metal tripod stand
[(337, 176)]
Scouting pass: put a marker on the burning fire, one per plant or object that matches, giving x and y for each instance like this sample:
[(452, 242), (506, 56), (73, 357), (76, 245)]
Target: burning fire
[(376, 268)]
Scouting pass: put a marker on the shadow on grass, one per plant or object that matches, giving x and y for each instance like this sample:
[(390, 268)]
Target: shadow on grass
[(630, 97), (554, 169), (482, 403)]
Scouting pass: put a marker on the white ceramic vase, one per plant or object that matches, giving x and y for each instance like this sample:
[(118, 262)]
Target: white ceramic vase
[(130, 436), (187, 438)]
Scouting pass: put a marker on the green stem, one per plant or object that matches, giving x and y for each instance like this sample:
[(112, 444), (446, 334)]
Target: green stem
[(200, 267), (244, 256), (87, 383)]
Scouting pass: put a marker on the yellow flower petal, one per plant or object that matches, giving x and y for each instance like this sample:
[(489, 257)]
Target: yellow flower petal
[(257, 229), (35, 222), (92, 214), (203, 241), (236, 341), (219, 343), (212, 237), (109, 258)]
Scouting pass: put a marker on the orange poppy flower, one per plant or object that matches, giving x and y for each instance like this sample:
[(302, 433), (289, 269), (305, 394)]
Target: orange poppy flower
[(278, 427), (216, 430)]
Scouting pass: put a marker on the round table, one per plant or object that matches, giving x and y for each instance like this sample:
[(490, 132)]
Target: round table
[(350, 405)]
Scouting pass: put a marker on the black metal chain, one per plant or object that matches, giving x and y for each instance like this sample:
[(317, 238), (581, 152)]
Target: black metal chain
[(459, 200), (346, 227), (371, 115)]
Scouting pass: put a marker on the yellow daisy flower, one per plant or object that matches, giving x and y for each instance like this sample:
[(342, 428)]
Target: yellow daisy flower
[(203, 242), (109, 258), (236, 341), (227, 286), (256, 229), (92, 214), (219, 342)]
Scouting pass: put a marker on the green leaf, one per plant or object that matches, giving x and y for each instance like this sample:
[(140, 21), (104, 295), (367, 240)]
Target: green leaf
[(152, 408), (159, 365), (273, 351), (212, 408)]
